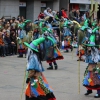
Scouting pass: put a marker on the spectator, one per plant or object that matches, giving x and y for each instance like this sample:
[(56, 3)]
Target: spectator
[(77, 16), (41, 16), (11, 44), (14, 41), (60, 13), (71, 15), (57, 16), (64, 13), (2, 46), (47, 12)]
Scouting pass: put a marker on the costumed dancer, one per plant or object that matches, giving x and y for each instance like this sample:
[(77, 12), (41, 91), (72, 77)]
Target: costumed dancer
[(37, 85), (51, 58), (53, 52), (24, 34), (75, 27), (20, 39), (66, 44), (82, 38), (92, 73)]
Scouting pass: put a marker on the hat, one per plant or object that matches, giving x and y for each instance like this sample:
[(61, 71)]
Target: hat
[(21, 26), (27, 21), (44, 29), (95, 29), (91, 41), (67, 23), (92, 38), (33, 45)]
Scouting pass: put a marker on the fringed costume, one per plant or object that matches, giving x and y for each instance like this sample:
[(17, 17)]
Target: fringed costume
[(37, 85), (92, 56)]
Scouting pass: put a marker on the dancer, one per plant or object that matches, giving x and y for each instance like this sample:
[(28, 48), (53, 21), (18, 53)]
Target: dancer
[(92, 73), (37, 85)]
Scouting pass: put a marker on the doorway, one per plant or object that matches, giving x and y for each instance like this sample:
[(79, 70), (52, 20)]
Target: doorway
[(22, 8)]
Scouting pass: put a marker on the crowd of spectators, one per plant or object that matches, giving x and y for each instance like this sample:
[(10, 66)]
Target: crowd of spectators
[(9, 27), (8, 35), (63, 13)]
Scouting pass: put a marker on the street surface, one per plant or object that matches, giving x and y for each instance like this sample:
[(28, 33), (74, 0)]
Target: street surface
[(64, 81)]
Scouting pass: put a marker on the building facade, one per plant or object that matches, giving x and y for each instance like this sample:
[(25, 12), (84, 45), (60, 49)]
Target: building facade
[(82, 5), (29, 8)]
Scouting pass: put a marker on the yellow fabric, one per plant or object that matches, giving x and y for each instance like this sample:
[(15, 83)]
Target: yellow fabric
[(76, 23)]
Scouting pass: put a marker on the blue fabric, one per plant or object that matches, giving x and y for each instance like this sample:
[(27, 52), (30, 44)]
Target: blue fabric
[(98, 91), (84, 16), (89, 59), (98, 76), (85, 81), (54, 39), (50, 26), (47, 86), (21, 47), (55, 55), (34, 91), (84, 40), (34, 64), (22, 34), (48, 43), (67, 32)]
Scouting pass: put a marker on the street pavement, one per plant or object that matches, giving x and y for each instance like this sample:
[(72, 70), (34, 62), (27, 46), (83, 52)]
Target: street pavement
[(64, 81)]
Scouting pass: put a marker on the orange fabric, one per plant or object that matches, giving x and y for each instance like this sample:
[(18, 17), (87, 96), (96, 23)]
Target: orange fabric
[(82, 51), (28, 90), (59, 53), (1, 41), (68, 43), (91, 83), (40, 91)]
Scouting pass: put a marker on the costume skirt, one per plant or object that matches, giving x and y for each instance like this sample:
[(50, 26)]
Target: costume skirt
[(55, 55), (66, 44), (39, 90), (92, 78)]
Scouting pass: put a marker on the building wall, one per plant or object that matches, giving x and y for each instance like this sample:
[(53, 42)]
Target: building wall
[(56, 5), (37, 8), (30, 10), (34, 8), (64, 4), (9, 8)]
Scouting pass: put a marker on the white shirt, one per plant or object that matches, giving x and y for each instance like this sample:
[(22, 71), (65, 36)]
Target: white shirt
[(47, 13)]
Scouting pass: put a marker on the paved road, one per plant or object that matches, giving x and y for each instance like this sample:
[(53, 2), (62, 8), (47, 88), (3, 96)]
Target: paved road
[(64, 81)]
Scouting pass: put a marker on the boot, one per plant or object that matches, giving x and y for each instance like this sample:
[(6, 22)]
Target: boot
[(88, 92), (50, 68), (56, 67), (55, 64), (97, 96)]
